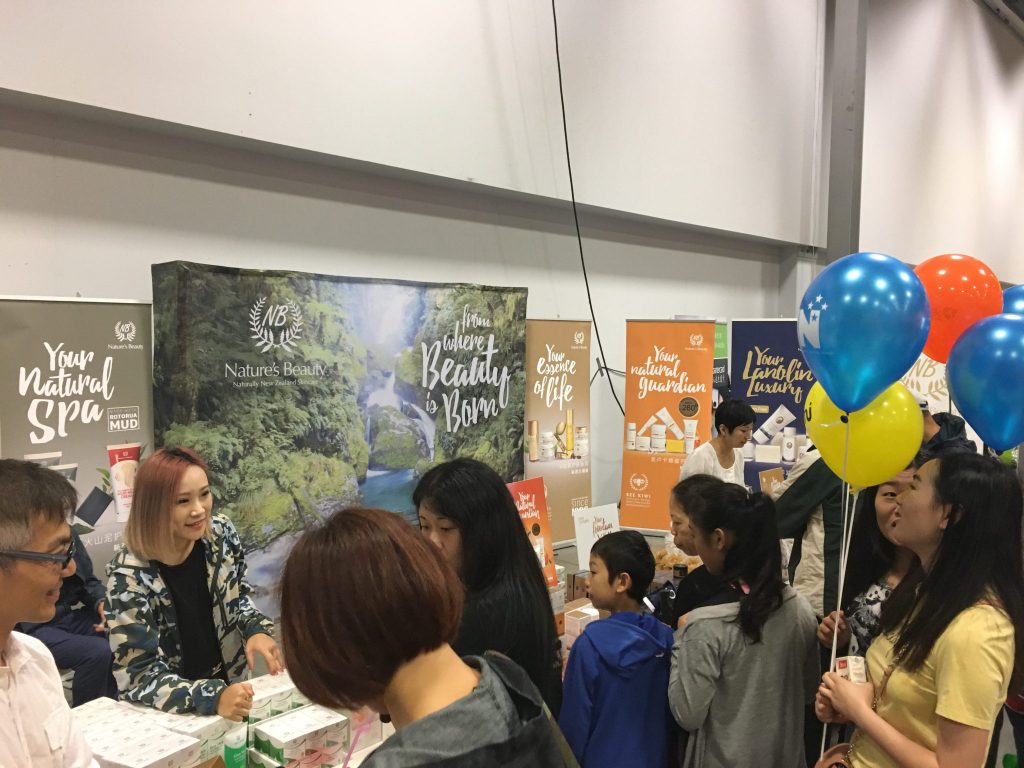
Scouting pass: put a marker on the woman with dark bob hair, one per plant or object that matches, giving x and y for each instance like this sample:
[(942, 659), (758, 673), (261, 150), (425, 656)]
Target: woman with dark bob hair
[(355, 635), (466, 510), (947, 654)]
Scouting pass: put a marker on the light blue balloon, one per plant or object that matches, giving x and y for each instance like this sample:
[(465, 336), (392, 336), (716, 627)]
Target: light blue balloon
[(986, 379), (861, 325), (1013, 300)]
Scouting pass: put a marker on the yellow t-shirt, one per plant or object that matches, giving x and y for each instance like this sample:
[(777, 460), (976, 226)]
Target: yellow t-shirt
[(964, 679)]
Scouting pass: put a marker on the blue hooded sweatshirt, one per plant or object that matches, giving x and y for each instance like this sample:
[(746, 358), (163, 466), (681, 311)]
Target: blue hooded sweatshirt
[(615, 695)]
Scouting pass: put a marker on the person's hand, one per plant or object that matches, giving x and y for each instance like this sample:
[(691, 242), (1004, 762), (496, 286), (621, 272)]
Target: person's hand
[(834, 622), (265, 646), (235, 702), (848, 700), (101, 627)]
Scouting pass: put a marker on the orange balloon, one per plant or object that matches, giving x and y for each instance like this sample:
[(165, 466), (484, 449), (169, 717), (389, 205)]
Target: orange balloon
[(961, 291)]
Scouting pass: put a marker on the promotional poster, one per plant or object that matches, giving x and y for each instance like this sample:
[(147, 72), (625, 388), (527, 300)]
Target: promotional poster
[(927, 378), (529, 498), (308, 392), (769, 372), (76, 396), (557, 440), (669, 382)]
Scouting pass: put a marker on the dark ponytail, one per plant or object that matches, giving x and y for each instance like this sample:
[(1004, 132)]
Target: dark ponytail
[(754, 558)]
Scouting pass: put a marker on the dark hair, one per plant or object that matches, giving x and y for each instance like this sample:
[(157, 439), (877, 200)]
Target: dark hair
[(627, 552), (500, 571), (734, 413), (495, 546), (349, 618), (691, 492), (30, 493), (871, 554), (979, 554), (755, 557)]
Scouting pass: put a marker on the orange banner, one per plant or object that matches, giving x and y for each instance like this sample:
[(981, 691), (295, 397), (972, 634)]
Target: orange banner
[(533, 511), (669, 379)]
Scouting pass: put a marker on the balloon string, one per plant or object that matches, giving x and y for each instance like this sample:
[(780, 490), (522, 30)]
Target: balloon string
[(844, 551)]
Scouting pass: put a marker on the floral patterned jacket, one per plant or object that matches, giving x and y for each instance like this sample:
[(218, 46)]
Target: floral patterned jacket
[(142, 625)]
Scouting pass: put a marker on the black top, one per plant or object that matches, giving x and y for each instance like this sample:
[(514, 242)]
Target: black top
[(513, 625), (190, 592), (700, 588)]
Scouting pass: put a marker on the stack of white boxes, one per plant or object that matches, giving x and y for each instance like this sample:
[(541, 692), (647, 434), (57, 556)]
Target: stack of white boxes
[(122, 736), (366, 748), (274, 695), (309, 736), (208, 730)]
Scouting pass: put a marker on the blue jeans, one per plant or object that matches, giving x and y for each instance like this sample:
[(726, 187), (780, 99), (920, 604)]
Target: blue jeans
[(75, 645)]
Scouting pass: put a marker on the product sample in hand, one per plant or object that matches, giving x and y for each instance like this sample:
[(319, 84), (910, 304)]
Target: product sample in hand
[(853, 668), (314, 734)]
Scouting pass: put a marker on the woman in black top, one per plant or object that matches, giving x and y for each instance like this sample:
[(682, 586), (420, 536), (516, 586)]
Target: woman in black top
[(467, 511)]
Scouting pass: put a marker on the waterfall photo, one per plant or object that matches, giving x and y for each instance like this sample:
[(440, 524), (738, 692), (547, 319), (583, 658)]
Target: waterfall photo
[(309, 392)]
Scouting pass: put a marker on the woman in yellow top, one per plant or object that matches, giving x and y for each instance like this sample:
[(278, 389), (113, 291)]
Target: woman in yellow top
[(949, 648)]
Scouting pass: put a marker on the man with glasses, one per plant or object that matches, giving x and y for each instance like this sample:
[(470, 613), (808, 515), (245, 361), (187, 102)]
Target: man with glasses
[(37, 552), (75, 635)]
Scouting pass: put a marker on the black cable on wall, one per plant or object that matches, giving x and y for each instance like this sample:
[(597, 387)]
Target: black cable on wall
[(576, 219)]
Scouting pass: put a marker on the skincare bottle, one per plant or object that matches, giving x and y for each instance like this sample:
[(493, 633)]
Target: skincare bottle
[(582, 442), (531, 441), (569, 434), (547, 446), (631, 436), (789, 444), (670, 422), (658, 438), (643, 442), (647, 424), (689, 435), (775, 423), (235, 752)]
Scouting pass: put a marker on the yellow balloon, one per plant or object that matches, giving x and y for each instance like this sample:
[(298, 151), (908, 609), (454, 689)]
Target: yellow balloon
[(884, 436)]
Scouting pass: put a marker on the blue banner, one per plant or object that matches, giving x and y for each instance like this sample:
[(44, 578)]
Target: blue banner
[(769, 372)]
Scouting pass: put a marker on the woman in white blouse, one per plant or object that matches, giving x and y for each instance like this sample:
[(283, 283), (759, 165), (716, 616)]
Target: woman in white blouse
[(723, 456)]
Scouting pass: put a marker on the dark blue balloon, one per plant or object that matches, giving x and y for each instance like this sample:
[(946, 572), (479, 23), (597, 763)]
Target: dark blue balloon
[(986, 379), (861, 325), (1013, 300)]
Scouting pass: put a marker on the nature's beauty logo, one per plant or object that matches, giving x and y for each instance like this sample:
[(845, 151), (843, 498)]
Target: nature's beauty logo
[(125, 331), (275, 325)]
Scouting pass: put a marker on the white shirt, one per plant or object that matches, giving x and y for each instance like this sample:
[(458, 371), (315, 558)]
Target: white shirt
[(704, 461), (36, 727)]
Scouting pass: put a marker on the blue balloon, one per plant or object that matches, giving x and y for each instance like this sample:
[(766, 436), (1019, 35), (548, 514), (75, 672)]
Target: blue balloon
[(1013, 300), (986, 379), (861, 325)]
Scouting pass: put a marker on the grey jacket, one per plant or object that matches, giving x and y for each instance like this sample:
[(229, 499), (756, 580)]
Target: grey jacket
[(742, 702)]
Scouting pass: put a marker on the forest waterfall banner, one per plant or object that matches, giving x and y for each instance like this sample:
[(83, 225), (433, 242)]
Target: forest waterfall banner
[(305, 392)]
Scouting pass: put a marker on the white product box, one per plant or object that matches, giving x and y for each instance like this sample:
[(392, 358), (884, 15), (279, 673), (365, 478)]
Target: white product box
[(853, 668), (273, 695), (159, 749), (208, 730), (768, 454), (259, 760), (304, 734)]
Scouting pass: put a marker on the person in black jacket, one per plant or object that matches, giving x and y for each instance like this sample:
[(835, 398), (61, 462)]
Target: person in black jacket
[(75, 635), (466, 510)]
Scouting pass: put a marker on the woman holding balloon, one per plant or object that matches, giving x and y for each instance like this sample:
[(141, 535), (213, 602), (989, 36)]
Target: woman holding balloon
[(946, 656)]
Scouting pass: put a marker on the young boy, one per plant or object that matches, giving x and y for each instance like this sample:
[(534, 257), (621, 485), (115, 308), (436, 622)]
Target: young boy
[(615, 696)]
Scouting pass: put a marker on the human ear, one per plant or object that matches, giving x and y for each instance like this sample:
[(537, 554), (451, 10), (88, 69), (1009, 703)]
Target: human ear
[(623, 582)]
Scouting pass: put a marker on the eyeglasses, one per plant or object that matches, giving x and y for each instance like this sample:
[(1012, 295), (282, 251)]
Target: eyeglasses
[(63, 559)]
